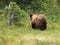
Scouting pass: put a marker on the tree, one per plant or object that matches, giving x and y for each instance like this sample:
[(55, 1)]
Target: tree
[(14, 13)]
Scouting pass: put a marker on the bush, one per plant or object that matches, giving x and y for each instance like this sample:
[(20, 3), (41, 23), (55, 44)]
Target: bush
[(14, 10)]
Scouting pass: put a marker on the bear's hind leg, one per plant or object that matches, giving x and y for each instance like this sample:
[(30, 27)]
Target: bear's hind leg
[(45, 26), (42, 28)]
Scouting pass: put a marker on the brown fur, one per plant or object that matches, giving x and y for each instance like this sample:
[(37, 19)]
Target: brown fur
[(38, 21)]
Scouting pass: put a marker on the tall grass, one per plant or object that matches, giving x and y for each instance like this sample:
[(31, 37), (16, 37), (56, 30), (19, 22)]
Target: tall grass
[(25, 35)]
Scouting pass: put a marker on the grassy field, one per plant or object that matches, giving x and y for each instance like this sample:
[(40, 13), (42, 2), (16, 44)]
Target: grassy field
[(25, 35)]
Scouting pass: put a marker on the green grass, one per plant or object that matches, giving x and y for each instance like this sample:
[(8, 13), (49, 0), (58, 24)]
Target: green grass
[(25, 35)]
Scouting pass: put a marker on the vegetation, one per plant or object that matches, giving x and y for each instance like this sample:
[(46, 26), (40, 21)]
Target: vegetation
[(15, 27)]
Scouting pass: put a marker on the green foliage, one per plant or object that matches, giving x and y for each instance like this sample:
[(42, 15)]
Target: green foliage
[(19, 14), (47, 6), (24, 34)]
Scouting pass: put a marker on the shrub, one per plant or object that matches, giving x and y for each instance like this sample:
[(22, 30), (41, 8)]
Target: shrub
[(14, 13)]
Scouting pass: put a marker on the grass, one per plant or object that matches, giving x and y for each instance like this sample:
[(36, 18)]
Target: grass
[(25, 35)]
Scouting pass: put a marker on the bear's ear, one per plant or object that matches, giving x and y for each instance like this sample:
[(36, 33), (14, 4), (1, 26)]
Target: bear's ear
[(31, 16)]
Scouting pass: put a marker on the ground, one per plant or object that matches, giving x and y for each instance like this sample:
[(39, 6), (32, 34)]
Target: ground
[(25, 35), (29, 36)]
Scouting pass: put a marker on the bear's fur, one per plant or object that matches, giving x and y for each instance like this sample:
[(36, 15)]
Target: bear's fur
[(38, 21)]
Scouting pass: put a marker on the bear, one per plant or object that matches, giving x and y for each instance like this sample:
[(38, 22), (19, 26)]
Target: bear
[(38, 21)]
